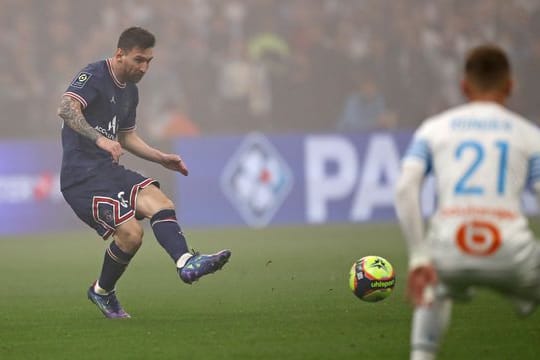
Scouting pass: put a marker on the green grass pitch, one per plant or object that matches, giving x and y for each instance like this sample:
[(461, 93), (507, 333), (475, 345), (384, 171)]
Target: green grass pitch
[(284, 295)]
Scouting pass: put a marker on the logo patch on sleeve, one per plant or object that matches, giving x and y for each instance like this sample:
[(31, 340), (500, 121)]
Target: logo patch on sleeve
[(81, 80)]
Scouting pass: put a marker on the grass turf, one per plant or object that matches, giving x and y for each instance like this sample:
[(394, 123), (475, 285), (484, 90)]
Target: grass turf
[(284, 295)]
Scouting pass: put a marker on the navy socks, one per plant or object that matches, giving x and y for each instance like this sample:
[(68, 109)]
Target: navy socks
[(168, 233), (114, 264)]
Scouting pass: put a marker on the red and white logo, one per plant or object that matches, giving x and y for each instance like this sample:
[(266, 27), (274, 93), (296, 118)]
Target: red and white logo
[(479, 238)]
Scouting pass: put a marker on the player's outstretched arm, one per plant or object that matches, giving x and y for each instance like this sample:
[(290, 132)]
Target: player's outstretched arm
[(422, 275), (131, 141), (71, 112), (409, 212)]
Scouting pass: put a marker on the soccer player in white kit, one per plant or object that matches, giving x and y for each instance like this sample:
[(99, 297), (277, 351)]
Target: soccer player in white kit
[(482, 156)]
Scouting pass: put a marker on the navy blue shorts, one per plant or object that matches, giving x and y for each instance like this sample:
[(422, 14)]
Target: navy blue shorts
[(107, 199)]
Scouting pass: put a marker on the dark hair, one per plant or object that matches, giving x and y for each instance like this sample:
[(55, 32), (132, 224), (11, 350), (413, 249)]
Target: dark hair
[(136, 37), (487, 67)]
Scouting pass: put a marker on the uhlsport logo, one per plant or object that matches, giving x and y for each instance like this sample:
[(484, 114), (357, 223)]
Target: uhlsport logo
[(256, 180)]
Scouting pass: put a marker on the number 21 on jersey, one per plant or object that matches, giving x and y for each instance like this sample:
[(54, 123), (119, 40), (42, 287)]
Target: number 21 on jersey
[(465, 185)]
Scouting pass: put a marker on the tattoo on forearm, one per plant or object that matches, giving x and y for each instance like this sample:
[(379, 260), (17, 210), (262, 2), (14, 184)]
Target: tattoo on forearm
[(70, 112)]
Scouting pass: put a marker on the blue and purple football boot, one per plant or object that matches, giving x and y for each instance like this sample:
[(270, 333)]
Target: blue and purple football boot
[(200, 265), (107, 304)]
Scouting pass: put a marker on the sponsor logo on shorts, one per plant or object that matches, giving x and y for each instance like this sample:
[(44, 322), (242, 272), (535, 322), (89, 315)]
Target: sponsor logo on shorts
[(123, 201), (478, 238)]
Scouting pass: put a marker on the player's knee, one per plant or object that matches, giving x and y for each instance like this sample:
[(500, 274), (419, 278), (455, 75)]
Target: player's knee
[(135, 236), (160, 199), (163, 204), (129, 237), (152, 200), (167, 204)]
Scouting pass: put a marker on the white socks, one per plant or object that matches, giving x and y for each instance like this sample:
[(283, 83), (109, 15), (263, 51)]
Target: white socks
[(428, 327), (422, 355), (99, 290), (183, 259)]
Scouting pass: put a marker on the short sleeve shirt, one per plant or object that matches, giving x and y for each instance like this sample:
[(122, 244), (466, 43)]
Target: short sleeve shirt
[(109, 106)]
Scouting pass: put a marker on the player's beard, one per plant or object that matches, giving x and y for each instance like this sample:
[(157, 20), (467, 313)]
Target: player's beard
[(135, 78)]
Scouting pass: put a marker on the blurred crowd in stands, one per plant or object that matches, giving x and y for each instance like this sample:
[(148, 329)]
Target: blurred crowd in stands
[(232, 66)]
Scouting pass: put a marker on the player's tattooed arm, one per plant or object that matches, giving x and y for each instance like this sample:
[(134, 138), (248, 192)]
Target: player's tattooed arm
[(70, 111)]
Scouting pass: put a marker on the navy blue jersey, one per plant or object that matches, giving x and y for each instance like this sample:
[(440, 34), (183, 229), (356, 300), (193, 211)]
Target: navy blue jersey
[(109, 106)]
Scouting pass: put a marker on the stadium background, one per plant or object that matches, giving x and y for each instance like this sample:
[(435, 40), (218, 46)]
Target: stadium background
[(327, 90), (280, 66), (224, 69)]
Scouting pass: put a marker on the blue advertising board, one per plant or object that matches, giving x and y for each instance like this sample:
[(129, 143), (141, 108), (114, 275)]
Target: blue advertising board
[(254, 180), (259, 180), (30, 198)]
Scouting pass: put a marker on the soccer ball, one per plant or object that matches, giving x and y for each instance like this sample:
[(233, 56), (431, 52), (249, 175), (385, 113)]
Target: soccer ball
[(372, 278)]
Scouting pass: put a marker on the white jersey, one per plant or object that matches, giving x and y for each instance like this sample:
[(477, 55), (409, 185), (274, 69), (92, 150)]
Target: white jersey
[(482, 156)]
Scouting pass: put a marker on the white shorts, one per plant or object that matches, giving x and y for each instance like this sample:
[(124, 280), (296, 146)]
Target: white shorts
[(512, 268)]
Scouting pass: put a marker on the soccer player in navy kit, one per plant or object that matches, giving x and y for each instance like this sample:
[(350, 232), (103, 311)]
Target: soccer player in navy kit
[(98, 109)]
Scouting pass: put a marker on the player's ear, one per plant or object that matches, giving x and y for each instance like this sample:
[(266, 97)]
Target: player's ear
[(118, 54), (465, 88), (509, 87)]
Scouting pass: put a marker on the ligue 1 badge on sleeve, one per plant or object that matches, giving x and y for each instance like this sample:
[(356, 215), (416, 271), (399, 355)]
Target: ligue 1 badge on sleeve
[(81, 79)]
